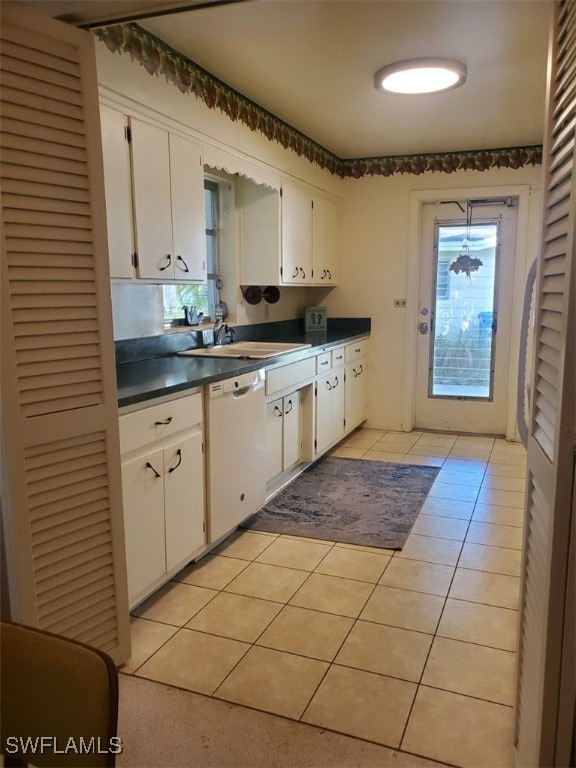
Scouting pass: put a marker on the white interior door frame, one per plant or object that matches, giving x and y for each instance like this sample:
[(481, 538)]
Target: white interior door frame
[(417, 200)]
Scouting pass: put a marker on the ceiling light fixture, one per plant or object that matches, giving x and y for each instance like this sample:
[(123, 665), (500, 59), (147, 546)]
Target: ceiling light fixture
[(420, 76)]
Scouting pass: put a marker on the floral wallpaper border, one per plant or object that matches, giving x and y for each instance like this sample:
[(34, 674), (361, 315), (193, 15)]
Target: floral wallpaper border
[(158, 58)]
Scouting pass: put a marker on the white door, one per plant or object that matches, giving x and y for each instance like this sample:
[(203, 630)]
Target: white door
[(64, 549), (465, 315), (546, 679)]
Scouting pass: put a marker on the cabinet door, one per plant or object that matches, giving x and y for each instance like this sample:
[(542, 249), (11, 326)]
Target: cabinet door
[(188, 217), (324, 429), (337, 405), (152, 201), (296, 235), (118, 190), (184, 499), (292, 438), (325, 241), (260, 233), (329, 410), (274, 439), (143, 494), (355, 394)]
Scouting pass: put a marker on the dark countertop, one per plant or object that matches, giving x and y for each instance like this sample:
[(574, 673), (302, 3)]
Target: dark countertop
[(141, 380)]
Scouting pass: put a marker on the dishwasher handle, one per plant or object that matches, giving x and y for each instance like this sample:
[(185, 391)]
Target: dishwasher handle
[(238, 393)]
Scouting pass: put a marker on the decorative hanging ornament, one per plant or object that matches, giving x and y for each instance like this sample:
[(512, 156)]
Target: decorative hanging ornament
[(466, 263)]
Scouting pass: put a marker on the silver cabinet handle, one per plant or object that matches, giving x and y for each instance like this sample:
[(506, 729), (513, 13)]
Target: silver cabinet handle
[(423, 328)]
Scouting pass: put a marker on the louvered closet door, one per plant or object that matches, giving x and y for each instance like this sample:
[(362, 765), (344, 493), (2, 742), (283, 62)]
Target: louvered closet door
[(61, 489), (546, 642)]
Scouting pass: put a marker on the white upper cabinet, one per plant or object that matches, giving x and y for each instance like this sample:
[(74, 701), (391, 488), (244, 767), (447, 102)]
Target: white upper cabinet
[(152, 203), (154, 182), (116, 153), (296, 235), (287, 239), (188, 215), (168, 192), (260, 240), (325, 241)]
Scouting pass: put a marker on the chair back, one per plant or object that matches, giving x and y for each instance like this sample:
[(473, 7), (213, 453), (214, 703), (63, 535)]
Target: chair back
[(59, 700)]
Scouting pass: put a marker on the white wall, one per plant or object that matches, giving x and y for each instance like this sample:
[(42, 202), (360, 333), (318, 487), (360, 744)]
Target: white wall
[(374, 269)]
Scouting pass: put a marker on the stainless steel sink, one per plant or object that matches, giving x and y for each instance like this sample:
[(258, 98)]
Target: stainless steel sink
[(252, 350)]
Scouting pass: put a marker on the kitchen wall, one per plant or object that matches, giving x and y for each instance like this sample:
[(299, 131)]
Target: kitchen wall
[(375, 229), (374, 268)]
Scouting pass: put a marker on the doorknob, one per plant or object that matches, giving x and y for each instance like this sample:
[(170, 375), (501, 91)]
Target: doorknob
[(423, 328)]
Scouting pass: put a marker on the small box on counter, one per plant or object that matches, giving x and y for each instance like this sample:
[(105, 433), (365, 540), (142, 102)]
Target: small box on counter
[(316, 320)]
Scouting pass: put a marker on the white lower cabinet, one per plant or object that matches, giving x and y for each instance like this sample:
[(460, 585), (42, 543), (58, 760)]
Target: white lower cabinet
[(329, 410), (143, 495), (355, 401), (283, 434), (163, 491), (183, 499)]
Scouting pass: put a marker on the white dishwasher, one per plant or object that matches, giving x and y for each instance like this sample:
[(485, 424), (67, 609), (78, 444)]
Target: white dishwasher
[(236, 451)]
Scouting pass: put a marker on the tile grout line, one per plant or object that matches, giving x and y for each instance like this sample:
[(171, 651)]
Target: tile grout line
[(331, 663), (253, 643), (435, 635)]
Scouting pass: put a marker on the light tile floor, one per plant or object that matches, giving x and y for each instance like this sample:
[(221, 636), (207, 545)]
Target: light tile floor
[(414, 650)]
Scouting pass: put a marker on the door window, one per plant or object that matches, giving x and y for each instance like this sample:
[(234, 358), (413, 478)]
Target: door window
[(464, 310)]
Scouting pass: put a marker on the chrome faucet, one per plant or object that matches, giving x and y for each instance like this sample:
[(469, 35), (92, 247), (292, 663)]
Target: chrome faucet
[(221, 329)]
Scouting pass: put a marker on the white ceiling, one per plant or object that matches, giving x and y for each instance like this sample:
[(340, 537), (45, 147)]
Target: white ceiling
[(312, 63)]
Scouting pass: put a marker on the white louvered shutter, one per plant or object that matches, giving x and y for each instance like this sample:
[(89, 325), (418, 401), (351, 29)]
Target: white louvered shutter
[(61, 489), (543, 652)]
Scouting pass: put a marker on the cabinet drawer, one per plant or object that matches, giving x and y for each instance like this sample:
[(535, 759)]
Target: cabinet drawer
[(356, 350), (338, 357), (323, 362), (159, 421), (289, 375)]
